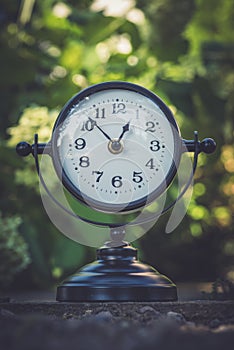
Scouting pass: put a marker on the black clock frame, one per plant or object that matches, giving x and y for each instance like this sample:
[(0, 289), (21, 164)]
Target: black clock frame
[(97, 205)]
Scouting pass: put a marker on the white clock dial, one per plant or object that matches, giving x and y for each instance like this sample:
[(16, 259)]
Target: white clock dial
[(118, 148)]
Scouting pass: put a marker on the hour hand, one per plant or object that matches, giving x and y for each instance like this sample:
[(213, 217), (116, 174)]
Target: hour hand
[(95, 124), (125, 129)]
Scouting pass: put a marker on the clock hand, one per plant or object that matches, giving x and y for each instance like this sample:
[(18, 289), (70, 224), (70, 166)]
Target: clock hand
[(95, 123), (125, 129)]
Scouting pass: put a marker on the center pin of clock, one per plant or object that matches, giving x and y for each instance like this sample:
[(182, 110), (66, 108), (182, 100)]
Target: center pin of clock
[(115, 146)]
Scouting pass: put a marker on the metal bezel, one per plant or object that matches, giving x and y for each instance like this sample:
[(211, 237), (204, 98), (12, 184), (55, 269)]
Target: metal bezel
[(115, 208)]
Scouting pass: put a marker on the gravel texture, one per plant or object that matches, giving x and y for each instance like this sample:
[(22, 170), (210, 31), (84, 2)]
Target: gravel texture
[(178, 325)]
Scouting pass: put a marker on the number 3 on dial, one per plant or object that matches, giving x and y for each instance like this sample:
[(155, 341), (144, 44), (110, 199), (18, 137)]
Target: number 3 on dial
[(155, 146)]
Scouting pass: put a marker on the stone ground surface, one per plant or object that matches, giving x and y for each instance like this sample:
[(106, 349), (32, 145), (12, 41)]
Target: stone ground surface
[(50, 325)]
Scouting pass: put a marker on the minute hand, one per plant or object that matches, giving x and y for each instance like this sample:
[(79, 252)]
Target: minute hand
[(95, 123), (125, 129)]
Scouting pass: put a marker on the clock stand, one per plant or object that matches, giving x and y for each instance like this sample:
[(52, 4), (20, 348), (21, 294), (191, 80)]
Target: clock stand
[(117, 275)]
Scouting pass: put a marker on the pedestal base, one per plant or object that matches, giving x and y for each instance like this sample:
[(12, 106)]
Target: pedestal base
[(117, 275)]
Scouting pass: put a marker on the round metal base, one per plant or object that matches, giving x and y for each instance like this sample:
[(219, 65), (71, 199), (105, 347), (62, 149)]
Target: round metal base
[(117, 275)]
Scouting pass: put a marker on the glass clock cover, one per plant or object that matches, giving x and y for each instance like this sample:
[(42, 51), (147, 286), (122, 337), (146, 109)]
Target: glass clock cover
[(116, 147)]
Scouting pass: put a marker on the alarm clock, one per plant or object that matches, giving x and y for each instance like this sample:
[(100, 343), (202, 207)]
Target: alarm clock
[(116, 148)]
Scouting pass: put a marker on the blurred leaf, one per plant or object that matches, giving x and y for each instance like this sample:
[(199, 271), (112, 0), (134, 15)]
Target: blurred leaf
[(14, 255)]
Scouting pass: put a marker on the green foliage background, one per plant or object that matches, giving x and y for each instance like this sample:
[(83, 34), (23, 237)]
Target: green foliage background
[(183, 51)]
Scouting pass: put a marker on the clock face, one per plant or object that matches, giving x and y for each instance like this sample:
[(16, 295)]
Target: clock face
[(116, 146)]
